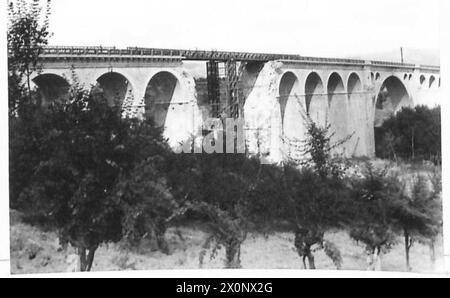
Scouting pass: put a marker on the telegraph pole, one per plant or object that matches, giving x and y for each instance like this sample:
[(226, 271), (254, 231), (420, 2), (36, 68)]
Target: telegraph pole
[(401, 53)]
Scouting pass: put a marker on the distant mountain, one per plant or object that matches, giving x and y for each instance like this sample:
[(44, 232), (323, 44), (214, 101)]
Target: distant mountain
[(413, 56)]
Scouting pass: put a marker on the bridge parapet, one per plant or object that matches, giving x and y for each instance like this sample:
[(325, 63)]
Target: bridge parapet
[(433, 68), (393, 64), (67, 52)]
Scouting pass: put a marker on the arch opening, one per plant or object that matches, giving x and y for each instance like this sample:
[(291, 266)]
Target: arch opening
[(335, 85), (288, 90), (249, 76), (357, 117), (338, 105), (422, 79), (161, 91), (392, 97), (292, 113), (432, 82), (316, 104), (354, 85), (115, 87), (51, 87)]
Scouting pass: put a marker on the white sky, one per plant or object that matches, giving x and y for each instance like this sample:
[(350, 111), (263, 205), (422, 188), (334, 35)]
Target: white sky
[(307, 27)]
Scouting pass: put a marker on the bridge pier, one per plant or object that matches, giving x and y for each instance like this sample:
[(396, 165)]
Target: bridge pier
[(263, 123)]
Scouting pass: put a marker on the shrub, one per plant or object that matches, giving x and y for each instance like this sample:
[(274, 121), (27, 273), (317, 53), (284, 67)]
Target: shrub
[(147, 204), (217, 188), (372, 207), (411, 134), (28, 33), (316, 194), (90, 148)]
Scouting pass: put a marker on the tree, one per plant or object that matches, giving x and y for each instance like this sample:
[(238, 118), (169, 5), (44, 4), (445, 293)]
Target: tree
[(216, 188), (414, 214), (371, 209), (316, 195), (435, 228), (316, 206), (28, 33), (411, 134), (72, 187), (419, 213), (226, 184), (148, 204), (26, 148)]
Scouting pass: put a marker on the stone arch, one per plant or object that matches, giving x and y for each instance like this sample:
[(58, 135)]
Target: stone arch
[(392, 96), (51, 87), (358, 116), (116, 88), (292, 110), (422, 79), (288, 90), (338, 107), (432, 82), (335, 87), (171, 103), (315, 98), (249, 76), (354, 85), (160, 93)]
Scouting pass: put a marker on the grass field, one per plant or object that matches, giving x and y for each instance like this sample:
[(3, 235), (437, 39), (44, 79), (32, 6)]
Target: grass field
[(36, 251)]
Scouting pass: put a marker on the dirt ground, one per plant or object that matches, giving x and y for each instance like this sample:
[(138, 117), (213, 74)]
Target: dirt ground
[(37, 251)]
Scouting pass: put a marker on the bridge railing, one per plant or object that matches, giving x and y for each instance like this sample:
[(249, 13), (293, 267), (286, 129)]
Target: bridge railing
[(188, 54), (431, 67), (326, 60), (390, 64), (214, 55)]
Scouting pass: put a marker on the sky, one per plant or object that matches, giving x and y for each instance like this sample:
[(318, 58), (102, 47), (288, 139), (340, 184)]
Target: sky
[(308, 27)]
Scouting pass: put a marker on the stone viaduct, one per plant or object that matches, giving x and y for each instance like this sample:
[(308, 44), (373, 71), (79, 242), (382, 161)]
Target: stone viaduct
[(272, 93)]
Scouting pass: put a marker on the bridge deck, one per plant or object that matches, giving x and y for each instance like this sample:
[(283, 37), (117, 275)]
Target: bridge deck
[(56, 52)]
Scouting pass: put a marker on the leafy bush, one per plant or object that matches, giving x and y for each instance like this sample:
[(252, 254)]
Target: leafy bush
[(147, 204), (217, 187), (374, 199), (316, 194), (74, 187), (28, 33), (418, 214), (411, 134)]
